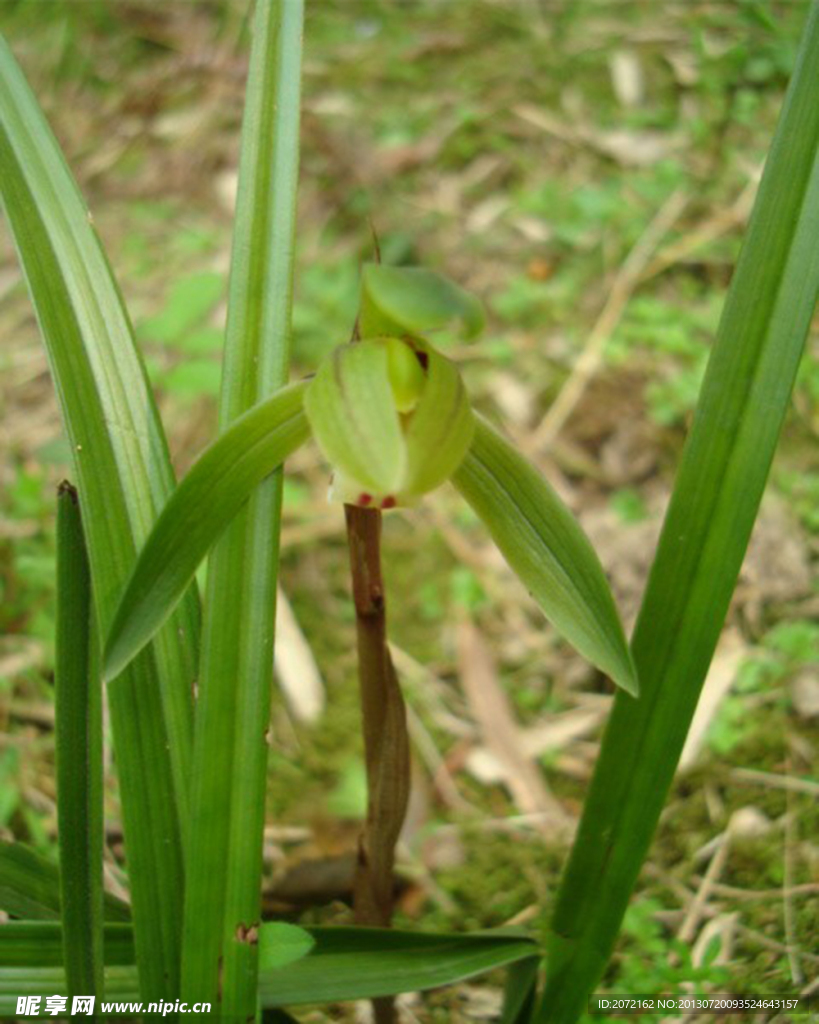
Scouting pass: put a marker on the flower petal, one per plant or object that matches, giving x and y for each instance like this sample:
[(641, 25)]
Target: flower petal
[(351, 409), (440, 430)]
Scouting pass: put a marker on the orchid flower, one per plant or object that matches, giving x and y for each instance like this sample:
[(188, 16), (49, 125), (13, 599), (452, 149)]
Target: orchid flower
[(393, 419)]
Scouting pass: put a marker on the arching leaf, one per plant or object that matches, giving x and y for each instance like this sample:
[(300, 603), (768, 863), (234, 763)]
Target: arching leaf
[(541, 540), (203, 504)]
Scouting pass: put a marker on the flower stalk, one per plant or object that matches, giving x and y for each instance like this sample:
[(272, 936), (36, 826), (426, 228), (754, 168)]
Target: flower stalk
[(386, 741)]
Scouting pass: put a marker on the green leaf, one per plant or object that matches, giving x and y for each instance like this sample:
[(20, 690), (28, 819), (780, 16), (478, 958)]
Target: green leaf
[(224, 864), (121, 985), (412, 300), (30, 886), (520, 992), (281, 944), (340, 963), (41, 944), (719, 486), (202, 506), (78, 729), (542, 542), (124, 476), (365, 963), (31, 959)]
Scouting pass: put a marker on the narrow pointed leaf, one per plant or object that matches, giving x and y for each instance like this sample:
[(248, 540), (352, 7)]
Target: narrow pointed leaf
[(30, 886), (520, 992), (202, 506), (224, 864), (41, 944), (344, 963), (719, 486), (413, 300), (31, 963), (366, 963), (78, 741), (542, 542), (281, 944), (121, 985), (124, 476)]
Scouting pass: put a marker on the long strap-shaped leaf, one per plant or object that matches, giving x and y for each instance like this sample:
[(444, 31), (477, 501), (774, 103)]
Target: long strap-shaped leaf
[(205, 502), (78, 715), (343, 964), (520, 994), (224, 865), (41, 944), (366, 963), (124, 477), (121, 984), (542, 542), (720, 483), (30, 886)]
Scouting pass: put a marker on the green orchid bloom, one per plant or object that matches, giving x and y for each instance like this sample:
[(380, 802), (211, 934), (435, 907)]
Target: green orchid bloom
[(393, 419)]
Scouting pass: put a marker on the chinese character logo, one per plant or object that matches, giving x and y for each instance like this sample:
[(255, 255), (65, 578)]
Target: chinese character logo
[(28, 1006), (83, 1004)]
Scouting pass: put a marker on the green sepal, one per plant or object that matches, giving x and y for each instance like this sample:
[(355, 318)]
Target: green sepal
[(352, 413), (414, 301), (392, 417)]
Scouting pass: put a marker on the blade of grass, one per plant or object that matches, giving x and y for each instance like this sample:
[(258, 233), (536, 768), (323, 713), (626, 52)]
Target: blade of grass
[(715, 501), (544, 545), (224, 864), (342, 963), (30, 886), (367, 963), (124, 477), (121, 984), (42, 944), (520, 992), (204, 503), (78, 727)]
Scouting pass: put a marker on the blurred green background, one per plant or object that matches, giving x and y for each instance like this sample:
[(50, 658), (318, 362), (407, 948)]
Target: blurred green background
[(587, 168)]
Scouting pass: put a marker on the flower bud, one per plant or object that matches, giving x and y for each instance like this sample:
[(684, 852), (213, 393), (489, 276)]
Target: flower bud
[(392, 417)]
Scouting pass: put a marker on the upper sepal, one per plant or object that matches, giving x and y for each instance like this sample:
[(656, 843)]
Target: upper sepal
[(414, 301)]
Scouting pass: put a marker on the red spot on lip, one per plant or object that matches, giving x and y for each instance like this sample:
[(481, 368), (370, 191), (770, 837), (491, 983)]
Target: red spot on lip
[(365, 499), (389, 502)]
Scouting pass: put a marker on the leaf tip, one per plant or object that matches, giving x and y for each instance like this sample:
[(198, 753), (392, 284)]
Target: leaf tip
[(626, 678), (117, 653)]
